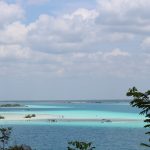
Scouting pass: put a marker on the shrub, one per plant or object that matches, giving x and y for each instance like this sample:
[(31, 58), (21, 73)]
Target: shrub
[(10, 105), (4, 137), (2, 117), (142, 101), (33, 115), (30, 116), (77, 145), (20, 147)]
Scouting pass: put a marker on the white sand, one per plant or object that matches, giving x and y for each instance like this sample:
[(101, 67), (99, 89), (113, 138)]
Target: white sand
[(19, 117), (46, 117)]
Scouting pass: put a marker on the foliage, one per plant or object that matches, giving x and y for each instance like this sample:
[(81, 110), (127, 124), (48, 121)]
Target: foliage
[(10, 105), (20, 147), (33, 115), (77, 145), (30, 116), (2, 117), (4, 137), (142, 101)]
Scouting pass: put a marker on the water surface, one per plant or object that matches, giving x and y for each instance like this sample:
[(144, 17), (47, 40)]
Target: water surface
[(43, 135)]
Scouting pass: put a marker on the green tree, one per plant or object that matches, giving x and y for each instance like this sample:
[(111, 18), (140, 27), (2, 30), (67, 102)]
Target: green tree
[(20, 147), (77, 145), (142, 101), (4, 137)]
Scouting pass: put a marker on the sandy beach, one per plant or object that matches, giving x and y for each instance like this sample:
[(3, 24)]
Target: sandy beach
[(55, 118)]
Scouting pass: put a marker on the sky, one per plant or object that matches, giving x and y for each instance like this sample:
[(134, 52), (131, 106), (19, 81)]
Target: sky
[(73, 49)]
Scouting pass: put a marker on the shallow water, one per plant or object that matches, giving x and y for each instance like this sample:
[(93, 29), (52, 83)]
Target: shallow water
[(78, 110)]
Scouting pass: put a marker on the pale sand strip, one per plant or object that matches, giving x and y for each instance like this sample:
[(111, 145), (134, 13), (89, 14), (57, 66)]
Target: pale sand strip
[(55, 118), (98, 120), (21, 117)]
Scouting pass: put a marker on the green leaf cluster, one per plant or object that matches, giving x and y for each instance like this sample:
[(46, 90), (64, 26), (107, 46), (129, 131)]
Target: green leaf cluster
[(4, 137), (77, 145), (142, 101)]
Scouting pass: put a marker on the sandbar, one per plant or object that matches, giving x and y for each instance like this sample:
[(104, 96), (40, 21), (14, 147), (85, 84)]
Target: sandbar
[(55, 118)]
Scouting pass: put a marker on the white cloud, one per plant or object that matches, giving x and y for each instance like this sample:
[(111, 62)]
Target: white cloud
[(14, 33), (146, 43), (70, 32), (10, 13), (124, 7), (116, 53), (13, 52), (124, 15), (83, 41), (56, 34), (85, 14)]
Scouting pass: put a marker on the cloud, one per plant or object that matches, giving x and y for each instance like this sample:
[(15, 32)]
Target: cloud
[(10, 13), (70, 32), (57, 34), (85, 14), (96, 41), (124, 15), (116, 53), (13, 33), (146, 43), (13, 52)]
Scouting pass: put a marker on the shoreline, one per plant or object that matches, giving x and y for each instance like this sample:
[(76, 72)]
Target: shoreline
[(60, 118)]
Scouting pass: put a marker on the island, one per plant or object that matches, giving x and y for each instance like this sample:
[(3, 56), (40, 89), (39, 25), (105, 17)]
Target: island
[(12, 105)]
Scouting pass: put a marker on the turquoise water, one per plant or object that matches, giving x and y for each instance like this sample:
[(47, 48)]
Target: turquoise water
[(82, 114), (76, 110), (44, 135)]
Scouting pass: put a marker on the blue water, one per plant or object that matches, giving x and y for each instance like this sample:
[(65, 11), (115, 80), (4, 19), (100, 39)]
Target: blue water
[(56, 137), (43, 135)]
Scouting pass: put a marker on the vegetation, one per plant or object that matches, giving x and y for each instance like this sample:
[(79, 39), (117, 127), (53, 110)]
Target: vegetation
[(30, 116), (142, 101), (33, 115), (4, 137), (77, 145), (20, 147), (10, 105), (2, 117)]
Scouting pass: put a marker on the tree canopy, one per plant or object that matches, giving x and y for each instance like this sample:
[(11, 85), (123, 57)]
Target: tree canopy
[(142, 101)]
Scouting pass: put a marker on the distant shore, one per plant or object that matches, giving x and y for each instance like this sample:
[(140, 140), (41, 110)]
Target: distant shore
[(70, 101)]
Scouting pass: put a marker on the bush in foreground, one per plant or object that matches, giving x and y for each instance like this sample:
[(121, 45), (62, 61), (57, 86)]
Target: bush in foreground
[(77, 145), (4, 137), (20, 147), (142, 101)]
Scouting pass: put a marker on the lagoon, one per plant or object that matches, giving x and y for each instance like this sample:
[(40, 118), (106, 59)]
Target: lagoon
[(44, 135)]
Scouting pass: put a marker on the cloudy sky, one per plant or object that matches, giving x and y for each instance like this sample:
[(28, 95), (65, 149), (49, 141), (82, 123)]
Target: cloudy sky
[(73, 49)]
